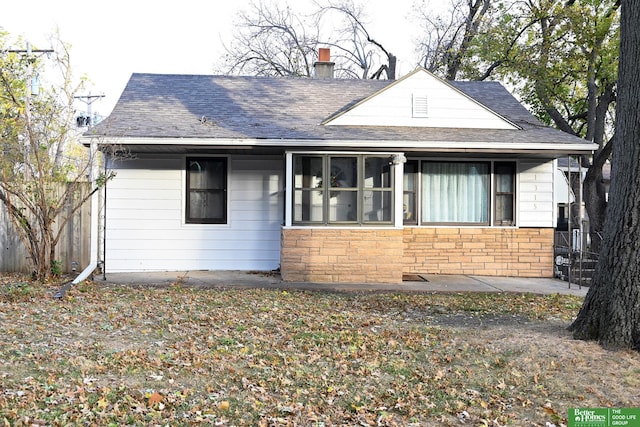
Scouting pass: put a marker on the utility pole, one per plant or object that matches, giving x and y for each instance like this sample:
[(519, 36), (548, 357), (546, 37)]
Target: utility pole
[(88, 100), (29, 54)]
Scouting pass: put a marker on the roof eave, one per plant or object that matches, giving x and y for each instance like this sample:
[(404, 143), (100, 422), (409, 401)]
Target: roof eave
[(401, 145)]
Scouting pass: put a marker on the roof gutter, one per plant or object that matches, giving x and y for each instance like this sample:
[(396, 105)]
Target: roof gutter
[(446, 146)]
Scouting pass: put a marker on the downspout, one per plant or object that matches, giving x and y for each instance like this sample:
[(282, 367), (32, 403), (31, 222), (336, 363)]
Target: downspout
[(93, 230), (93, 234), (103, 226)]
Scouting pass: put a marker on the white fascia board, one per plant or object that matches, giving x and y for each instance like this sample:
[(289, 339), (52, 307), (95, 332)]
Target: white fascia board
[(454, 146)]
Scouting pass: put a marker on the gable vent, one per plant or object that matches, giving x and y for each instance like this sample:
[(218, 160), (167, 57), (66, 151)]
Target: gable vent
[(420, 109)]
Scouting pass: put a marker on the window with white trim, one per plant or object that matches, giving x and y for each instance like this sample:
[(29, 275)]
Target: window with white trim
[(342, 189)]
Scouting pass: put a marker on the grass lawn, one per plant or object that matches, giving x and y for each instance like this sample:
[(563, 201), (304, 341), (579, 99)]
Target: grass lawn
[(115, 355)]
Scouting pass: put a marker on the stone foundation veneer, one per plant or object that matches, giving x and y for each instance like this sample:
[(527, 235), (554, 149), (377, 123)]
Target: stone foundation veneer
[(342, 255), (383, 255), (515, 252)]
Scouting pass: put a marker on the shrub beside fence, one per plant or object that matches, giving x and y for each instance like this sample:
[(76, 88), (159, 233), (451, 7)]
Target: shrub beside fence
[(72, 251)]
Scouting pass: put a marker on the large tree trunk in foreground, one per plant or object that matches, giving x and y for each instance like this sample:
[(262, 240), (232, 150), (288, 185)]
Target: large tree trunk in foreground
[(595, 196), (611, 310)]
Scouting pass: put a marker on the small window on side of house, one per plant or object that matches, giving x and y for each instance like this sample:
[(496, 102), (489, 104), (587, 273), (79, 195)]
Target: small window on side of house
[(420, 106), (206, 195)]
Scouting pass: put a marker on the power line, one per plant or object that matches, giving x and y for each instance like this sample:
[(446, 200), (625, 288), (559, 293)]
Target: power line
[(29, 53), (88, 100)]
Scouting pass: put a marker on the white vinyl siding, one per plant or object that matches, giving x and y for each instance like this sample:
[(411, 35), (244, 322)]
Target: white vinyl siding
[(146, 229), (448, 108), (535, 195)]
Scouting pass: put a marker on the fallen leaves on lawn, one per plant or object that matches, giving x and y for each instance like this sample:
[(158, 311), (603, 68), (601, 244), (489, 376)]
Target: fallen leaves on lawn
[(154, 398), (112, 355)]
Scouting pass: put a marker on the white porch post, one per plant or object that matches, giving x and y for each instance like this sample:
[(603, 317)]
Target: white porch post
[(398, 161), (288, 189)]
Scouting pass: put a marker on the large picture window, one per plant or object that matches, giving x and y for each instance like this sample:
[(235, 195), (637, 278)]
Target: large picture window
[(206, 190), (459, 192), (342, 189), (455, 192)]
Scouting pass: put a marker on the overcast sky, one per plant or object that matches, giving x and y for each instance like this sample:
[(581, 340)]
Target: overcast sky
[(111, 40)]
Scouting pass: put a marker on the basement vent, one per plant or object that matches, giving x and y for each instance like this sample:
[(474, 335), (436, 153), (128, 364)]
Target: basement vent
[(413, 277), (420, 109)]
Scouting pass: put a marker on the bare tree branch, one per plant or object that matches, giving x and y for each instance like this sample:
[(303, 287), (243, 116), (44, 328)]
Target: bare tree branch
[(38, 184), (272, 39)]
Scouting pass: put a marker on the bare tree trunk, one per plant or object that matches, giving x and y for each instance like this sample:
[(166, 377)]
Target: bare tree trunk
[(391, 72), (611, 310), (477, 10), (593, 186), (595, 196)]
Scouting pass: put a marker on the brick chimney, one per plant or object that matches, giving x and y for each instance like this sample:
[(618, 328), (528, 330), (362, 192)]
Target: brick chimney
[(324, 67)]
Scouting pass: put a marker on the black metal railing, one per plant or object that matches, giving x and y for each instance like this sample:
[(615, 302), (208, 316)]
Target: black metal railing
[(574, 266)]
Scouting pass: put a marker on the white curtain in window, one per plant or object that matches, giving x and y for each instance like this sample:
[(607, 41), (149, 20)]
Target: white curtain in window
[(455, 192)]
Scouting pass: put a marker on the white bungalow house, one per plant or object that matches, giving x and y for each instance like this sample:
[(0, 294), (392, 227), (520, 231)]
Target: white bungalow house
[(327, 179)]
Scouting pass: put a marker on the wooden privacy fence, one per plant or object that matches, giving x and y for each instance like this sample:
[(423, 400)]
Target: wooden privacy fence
[(73, 248)]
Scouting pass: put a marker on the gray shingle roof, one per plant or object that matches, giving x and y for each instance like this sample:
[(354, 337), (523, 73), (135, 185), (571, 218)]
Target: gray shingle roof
[(231, 107)]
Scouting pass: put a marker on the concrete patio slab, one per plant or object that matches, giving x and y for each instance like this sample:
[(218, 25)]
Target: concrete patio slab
[(272, 280)]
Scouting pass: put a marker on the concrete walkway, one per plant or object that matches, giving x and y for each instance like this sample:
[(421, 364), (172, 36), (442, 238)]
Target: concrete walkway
[(267, 280)]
